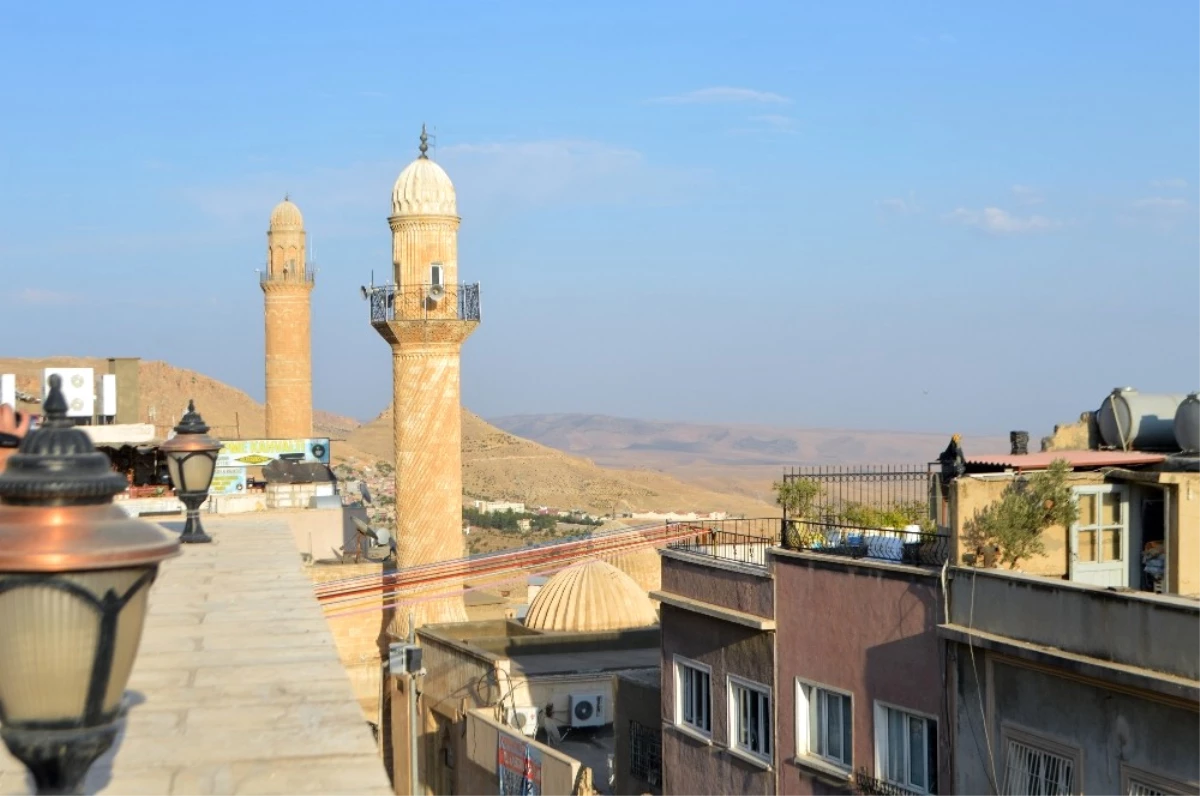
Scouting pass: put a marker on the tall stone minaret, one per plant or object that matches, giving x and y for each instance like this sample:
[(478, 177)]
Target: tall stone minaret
[(425, 317), (287, 291)]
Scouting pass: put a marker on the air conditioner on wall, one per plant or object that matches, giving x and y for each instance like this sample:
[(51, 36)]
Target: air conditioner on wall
[(523, 719), (587, 710)]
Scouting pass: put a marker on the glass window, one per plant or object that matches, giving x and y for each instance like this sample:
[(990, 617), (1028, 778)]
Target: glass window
[(824, 724), (750, 717), (1037, 772), (907, 746), (693, 696), (645, 753)]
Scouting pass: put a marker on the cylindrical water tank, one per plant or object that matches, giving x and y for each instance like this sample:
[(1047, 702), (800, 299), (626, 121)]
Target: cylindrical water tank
[(1132, 420), (1187, 423)]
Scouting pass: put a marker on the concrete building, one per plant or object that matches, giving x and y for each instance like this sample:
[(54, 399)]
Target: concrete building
[(1138, 526), (860, 705), (425, 316), (1066, 688), (637, 733), (287, 285), (718, 661)]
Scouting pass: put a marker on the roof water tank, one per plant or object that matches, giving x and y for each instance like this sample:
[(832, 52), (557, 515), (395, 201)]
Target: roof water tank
[(1131, 420), (1187, 423)]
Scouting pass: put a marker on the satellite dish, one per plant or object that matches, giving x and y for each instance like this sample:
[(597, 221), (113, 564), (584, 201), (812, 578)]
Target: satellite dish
[(436, 293)]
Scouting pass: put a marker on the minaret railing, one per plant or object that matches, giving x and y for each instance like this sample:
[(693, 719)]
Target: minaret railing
[(423, 302), (305, 277)]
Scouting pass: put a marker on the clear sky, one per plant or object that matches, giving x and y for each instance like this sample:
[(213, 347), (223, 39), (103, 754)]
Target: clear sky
[(903, 215)]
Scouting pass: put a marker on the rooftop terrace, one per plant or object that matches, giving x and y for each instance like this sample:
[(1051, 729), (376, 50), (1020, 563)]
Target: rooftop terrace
[(237, 687)]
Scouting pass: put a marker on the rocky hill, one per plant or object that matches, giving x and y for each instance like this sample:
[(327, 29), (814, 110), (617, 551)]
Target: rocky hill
[(744, 459), (496, 465), (500, 466)]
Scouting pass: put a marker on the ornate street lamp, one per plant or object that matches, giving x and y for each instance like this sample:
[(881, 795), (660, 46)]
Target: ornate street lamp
[(75, 574), (192, 460)]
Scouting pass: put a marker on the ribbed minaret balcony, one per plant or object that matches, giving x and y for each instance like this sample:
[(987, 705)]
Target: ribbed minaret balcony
[(307, 276), (424, 313)]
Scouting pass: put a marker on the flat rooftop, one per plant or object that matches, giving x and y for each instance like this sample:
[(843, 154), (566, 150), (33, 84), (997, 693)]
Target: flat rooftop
[(585, 662), (237, 688)]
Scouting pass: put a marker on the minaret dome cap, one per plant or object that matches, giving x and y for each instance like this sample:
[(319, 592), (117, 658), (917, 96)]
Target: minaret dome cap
[(286, 216), (424, 188)]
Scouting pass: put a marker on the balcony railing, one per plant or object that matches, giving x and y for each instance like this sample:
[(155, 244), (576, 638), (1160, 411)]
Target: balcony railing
[(873, 786), (307, 276), (423, 302), (740, 541), (879, 544)]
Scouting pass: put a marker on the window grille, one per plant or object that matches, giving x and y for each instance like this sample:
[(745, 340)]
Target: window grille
[(645, 753), (1036, 772)]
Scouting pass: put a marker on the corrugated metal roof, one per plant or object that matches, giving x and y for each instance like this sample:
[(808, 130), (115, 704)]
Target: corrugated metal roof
[(1040, 461)]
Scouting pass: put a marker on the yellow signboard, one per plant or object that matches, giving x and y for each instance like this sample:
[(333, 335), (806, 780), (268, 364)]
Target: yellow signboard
[(256, 452)]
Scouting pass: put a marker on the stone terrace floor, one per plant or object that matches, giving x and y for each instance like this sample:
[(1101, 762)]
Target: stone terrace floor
[(237, 687)]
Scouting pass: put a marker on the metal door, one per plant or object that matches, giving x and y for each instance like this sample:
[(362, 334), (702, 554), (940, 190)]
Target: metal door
[(1099, 549)]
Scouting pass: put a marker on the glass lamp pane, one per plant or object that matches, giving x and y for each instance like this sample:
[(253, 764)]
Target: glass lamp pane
[(173, 471), (198, 471), (49, 639)]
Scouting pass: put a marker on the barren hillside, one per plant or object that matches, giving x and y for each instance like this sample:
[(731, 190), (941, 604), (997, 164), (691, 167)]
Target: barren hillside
[(496, 465), (744, 459), (500, 466), (164, 390)]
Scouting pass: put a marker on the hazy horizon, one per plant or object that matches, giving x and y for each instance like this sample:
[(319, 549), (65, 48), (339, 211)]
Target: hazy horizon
[(856, 216)]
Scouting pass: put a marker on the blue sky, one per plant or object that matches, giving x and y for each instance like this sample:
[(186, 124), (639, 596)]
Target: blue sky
[(918, 216)]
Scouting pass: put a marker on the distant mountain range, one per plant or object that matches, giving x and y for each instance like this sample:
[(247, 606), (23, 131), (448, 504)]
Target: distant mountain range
[(741, 458)]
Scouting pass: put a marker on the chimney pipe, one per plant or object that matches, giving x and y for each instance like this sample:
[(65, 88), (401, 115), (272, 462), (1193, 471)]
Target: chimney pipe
[(1020, 442)]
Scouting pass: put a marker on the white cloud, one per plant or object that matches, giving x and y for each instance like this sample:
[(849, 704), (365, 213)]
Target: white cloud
[(1161, 203), (901, 206), (1173, 182), (718, 94), (558, 170), (1001, 222), (776, 122), (1028, 195), (352, 199)]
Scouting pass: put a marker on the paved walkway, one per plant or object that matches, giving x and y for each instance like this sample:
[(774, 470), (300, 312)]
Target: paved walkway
[(241, 685)]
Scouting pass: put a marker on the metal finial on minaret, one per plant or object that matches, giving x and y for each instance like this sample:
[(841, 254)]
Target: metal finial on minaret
[(287, 196), (424, 142)]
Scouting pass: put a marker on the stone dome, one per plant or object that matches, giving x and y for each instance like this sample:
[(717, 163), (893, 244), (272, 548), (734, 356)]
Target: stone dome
[(286, 216), (589, 597), (424, 189), (640, 563)]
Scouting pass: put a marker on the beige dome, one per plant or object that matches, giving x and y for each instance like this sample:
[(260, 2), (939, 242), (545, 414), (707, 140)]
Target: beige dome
[(641, 563), (591, 596), (424, 188), (286, 216)]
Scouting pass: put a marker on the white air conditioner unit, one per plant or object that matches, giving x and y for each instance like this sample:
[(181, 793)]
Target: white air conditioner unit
[(587, 710), (78, 386), (523, 719)]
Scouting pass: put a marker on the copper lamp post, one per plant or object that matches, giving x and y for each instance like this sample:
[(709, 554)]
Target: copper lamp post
[(192, 461), (75, 574)]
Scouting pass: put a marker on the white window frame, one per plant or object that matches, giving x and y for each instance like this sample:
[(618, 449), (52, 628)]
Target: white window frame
[(882, 751), (678, 665), (1038, 743), (436, 274), (766, 715), (806, 749), (1149, 782)]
